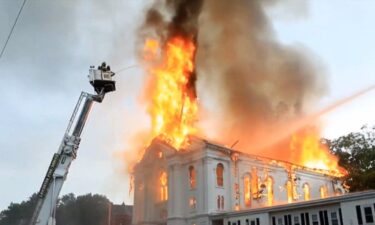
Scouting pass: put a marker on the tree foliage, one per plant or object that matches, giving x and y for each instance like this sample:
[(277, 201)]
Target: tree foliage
[(82, 210), (19, 213), (356, 153)]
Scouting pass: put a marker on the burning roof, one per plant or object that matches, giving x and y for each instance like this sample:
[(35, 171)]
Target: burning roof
[(257, 87)]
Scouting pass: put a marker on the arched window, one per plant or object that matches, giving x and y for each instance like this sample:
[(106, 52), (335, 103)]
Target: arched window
[(306, 191), (323, 191), (218, 202), (163, 186), (289, 191), (254, 183), (192, 177), (219, 175), (247, 190), (222, 202), (270, 190)]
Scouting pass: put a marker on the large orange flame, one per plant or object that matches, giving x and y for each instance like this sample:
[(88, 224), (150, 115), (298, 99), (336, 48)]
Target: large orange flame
[(312, 153), (173, 107)]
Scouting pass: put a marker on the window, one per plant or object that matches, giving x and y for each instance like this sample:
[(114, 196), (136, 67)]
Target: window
[(314, 218), (239, 222), (257, 219), (307, 216), (222, 202), (368, 215), (219, 175), (218, 202), (279, 221), (288, 219), (254, 183), (289, 188), (306, 191), (359, 214), (163, 186), (270, 190), (253, 222), (192, 202), (192, 177), (296, 220), (247, 222), (247, 190), (323, 191), (323, 217), (334, 219)]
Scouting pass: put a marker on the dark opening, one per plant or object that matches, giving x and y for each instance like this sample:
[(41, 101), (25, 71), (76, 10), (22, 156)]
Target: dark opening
[(257, 221), (286, 220), (359, 214), (325, 217), (307, 218), (273, 220), (321, 218), (303, 219), (219, 222)]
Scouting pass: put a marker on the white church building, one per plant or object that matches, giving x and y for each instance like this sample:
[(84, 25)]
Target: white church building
[(209, 184)]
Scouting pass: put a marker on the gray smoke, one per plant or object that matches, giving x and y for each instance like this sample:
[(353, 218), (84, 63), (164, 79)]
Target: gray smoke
[(252, 84), (255, 82)]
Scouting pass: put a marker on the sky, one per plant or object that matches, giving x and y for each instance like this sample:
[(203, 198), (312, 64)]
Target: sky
[(45, 66)]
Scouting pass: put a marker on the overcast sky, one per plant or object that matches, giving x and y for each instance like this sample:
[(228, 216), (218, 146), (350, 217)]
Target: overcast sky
[(44, 69)]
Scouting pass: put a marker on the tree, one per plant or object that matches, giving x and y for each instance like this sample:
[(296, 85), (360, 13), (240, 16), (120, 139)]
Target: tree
[(356, 153), (19, 213), (82, 210)]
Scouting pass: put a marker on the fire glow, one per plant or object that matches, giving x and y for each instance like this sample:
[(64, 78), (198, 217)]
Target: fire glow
[(313, 154), (173, 108)]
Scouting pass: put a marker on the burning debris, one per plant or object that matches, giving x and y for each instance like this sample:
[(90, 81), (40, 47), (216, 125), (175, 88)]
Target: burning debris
[(226, 53)]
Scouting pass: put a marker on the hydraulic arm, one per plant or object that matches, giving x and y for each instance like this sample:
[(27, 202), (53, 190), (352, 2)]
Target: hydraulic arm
[(45, 210)]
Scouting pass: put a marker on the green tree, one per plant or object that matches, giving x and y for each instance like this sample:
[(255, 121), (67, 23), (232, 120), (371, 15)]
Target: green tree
[(18, 213), (82, 210), (356, 153)]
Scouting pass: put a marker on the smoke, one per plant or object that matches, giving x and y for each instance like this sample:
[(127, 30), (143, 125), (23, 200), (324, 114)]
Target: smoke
[(250, 85), (257, 85), (171, 18)]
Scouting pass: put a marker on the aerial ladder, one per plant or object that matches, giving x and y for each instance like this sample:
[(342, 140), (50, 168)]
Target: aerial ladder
[(44, 214)]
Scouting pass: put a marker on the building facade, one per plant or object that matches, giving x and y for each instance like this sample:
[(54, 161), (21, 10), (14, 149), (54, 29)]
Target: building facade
[(211, 184)]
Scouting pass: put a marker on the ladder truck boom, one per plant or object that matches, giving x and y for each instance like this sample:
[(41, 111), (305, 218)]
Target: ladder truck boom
[(45, 210)]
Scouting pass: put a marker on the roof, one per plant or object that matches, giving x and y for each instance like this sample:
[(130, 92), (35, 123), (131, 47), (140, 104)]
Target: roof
[(122, 209)]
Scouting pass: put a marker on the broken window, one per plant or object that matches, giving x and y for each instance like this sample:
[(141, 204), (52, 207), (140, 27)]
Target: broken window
[(247, 190), (289, 188), (192, 202), (323, 191), (163, 186), (270, 190), (306, 191), (219, 175), (192, 177)]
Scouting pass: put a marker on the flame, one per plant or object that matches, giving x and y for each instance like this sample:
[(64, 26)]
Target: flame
[(312, 153), (173, 107)]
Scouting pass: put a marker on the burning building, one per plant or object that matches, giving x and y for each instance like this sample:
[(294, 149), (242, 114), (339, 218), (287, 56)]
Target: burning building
[(191, 185), (281, 173)]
